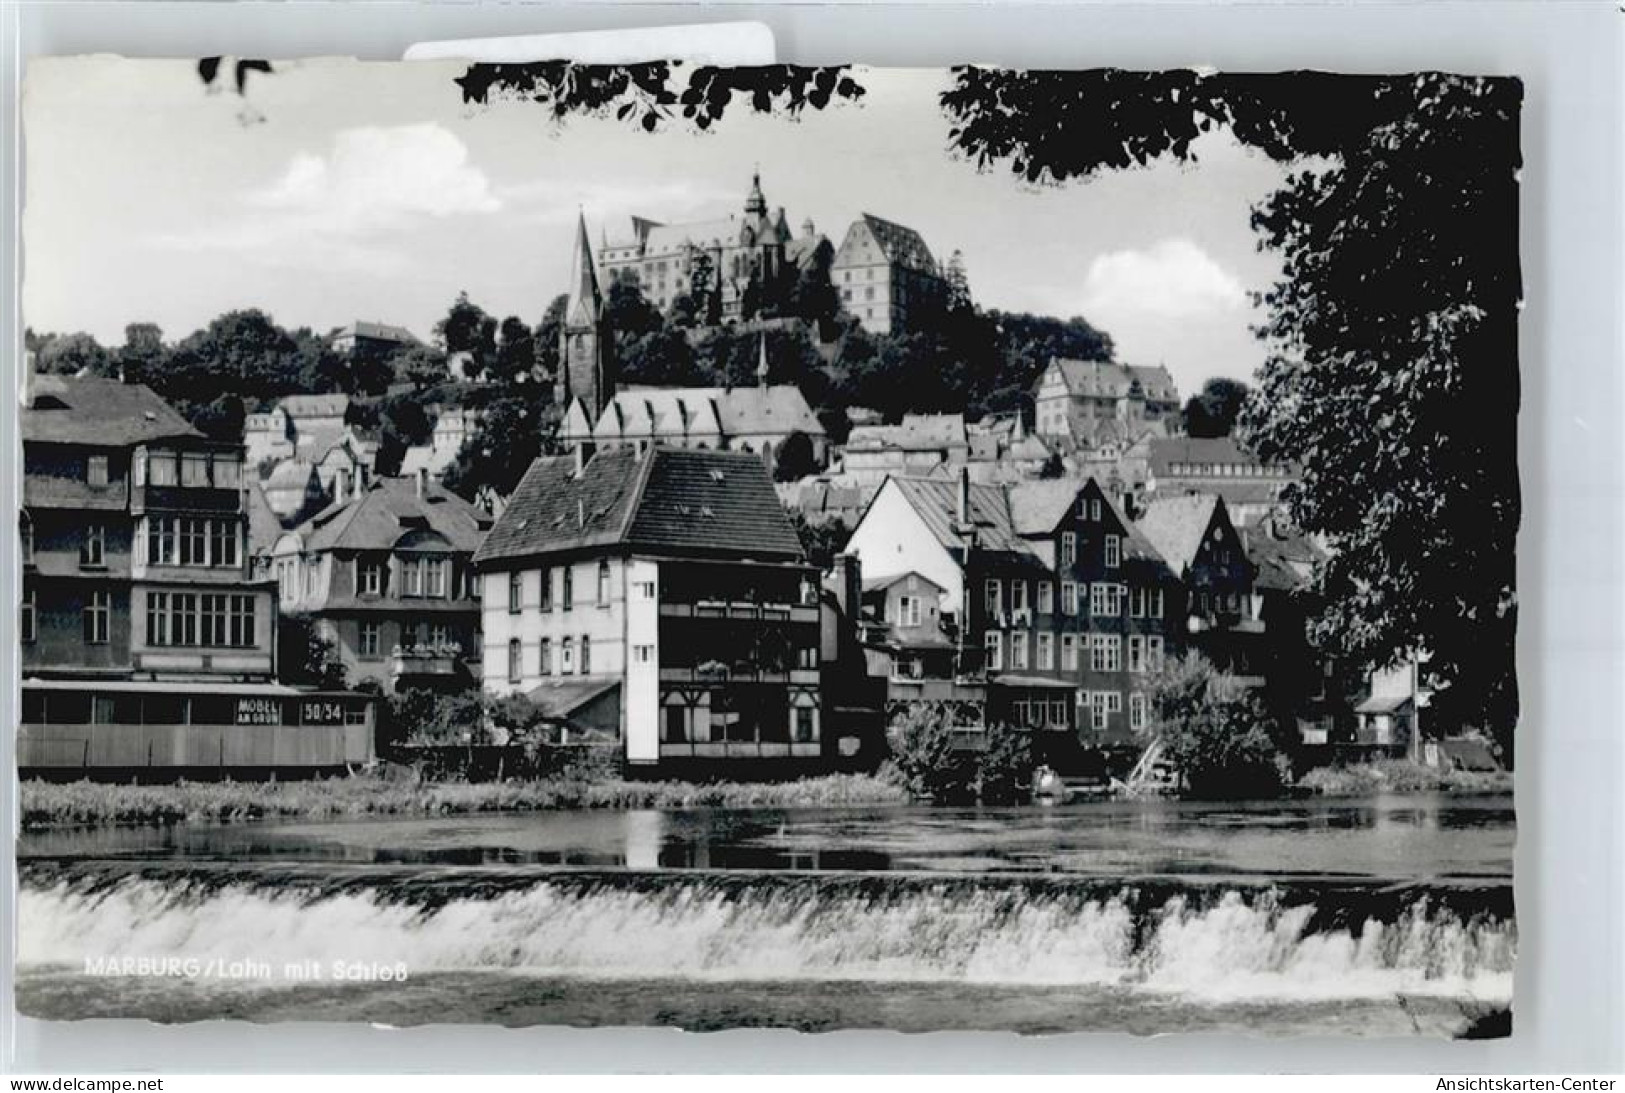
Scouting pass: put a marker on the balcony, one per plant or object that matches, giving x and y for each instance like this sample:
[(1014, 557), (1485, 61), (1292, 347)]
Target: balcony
[(425, 660), (717, 672), (741, 749), (740, 610)]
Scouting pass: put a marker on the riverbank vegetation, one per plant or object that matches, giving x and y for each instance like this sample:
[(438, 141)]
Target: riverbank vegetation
[(79, 804), (1401, 776)]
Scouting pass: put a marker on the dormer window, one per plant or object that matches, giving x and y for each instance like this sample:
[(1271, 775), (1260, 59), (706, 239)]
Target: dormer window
[(161, 468), (194, 469), (96, 471)]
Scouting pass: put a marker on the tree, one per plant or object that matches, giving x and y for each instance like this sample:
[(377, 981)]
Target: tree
[(1214, 731), (820, 541), (515, 359), (143, 354), (1213, 412), (305, 656), (795, 458), (1392, 378), (513, 432), (74, 354), (1004, 772), (922, 746), (423, 366), (468, 329)]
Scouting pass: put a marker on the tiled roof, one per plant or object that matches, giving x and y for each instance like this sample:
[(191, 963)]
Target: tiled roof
[(263, 526), (297, 406), (1167, 451), (428, 458), (100, 412), (900, 244), (1037, 506), (937, 502), (387, 509), (382, 332), (1175, 526), (677, 500), (290, 473), (916, 432), (1110, 379), (732, 411), (1284, 561)]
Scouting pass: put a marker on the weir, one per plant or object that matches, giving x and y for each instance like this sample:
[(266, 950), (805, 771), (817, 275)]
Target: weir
[(1215, 940)]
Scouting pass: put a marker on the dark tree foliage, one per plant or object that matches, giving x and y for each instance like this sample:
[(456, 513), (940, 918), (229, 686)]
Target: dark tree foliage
[(820, 541), (654, 93), (468, 329), (1392, 377), (547, 335), (517, 427), (72, 355), (305, 657), (794, 460), (1213, 411)]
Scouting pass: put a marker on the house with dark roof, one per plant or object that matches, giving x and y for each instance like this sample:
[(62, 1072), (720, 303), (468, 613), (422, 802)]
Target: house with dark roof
[(146, 641), (369, 340), (886, 276), (917, 445), (387, 574), (1053, 599), (1103, 404), (662, 591), (1250, 487)]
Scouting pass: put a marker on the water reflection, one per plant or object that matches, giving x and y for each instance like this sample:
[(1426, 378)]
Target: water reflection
[(1383, 836)]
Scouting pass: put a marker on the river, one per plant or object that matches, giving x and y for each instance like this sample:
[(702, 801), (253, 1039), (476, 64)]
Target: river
[(1377, 916)]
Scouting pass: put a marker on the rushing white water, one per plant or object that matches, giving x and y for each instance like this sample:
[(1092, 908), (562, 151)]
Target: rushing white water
[(1210, 944)]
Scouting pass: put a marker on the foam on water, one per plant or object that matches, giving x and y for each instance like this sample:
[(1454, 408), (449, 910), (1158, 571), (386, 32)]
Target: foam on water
[(1210, 943)]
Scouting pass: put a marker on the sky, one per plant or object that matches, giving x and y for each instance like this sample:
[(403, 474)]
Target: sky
[(343, 190)]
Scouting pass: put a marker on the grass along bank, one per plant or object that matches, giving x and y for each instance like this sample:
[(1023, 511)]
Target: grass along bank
[(85, 804), (1401, 776)]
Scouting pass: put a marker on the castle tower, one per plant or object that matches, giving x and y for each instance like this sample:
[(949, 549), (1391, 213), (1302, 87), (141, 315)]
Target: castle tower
[(586, 344), (755, 203)]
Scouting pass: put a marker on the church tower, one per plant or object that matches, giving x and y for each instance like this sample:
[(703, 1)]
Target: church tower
[(586, 345)]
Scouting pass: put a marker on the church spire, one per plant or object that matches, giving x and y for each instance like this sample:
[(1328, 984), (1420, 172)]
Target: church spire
[(756, 204), (584, 303)]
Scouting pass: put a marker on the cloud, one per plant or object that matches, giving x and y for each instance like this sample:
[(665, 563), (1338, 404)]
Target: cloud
[(374, 177), (1174, 278)]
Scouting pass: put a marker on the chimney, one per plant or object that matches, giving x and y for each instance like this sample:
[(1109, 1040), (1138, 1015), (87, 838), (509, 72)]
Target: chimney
[(29, 368), (849, 589), (962, 509), (423, 481)]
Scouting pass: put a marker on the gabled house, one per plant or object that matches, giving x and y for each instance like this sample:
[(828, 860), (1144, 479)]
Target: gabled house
[(1076, 399), (659, 596), (1194, 535), (886, 276), (386, 574)]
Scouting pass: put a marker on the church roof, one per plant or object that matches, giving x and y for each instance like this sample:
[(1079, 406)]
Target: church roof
[(584, 303), (777, 409)]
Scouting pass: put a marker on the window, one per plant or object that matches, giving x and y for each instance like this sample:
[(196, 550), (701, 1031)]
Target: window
[(567, 657), (1094, 510), (1018, 596), (546, 579), (93, 549), (1136, 711), (1069, 598), (645, 590), (643, 654), (676, 724), (223, 543), (908, 611), (27, 621), (1098, 707), (183, 618), (1136, 653), (371, 640), (439, 635), (1069, 548), (97, 613), (161, 467), (586, 655), (240, 621), (25, 533), (434, 577), (567, 598), (226, 472), (1114, 551), (1046, 652), (1069, 652), (806, 730), (1153, 652), (1154, 603), (160, 540), (1097, 599), (1136, 602), (371, 581), (194, 541), (1046, 598), (1106, 653), (1106, 600), (544, 657), (603, 584), (411, 576), (194, 469), (516, 591), (96, 470), (515, 668), (995, 600), (1018, 650), (995, 650)]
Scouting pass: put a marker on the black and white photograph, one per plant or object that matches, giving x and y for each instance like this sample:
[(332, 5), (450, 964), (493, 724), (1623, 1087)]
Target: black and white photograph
[(812, 548)]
